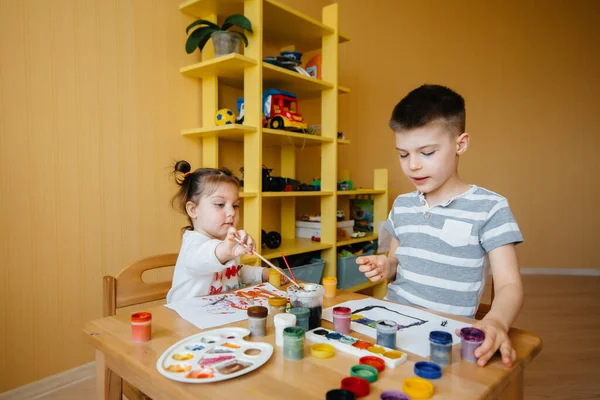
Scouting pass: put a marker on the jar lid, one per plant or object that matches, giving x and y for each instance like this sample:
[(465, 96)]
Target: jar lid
[(340, 394), (258, 312), (141, 316), (277, 301), (440, 337), (472, 334), (329, 279), (284, 319), (387, 326), (393, 395), (300, 312), (373, 361), (428, 370), (342, 311), (359, 386), (322, 350), (417, 388), (364, 371), (293, 331)]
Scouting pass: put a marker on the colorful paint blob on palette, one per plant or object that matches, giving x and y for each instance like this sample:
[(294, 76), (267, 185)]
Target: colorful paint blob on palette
[(360, 348), (213, 356)]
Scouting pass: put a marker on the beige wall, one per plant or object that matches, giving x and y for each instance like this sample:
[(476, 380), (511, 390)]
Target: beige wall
[(91, 104)]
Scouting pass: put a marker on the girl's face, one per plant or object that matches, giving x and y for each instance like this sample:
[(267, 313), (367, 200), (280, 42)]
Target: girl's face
[(216, 213)]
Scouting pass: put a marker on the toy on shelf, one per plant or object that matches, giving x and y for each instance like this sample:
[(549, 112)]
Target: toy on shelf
[(290, 60), (224, 117), (313, 66), (345, 185), (272, 239), (317, 184), (356, 235), (280, 111)]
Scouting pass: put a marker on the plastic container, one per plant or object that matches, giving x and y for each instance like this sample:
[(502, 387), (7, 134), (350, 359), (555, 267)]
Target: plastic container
[(257, 321), (330, 285), (322, 350), (302, 315), (440, 347), (141, 326), (427, 370), (308, 229), (393, 395), (359, 386), (386, 333), (226, 42), (309, 272), (373, 361), (274, 278), (277, 305), (417, 388), (293, 343), (348, 274), (311, 297), (364, 371), (282, 321), (471, 339), (341, 319)]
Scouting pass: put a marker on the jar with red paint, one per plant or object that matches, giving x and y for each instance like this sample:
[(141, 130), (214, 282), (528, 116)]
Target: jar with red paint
[(141, 326), (341, 319)]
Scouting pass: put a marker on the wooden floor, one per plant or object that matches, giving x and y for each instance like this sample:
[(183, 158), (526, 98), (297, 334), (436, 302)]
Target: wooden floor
[(563, 310)]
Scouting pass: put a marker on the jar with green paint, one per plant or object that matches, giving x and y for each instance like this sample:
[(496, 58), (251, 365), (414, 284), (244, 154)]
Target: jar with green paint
[(293, 343)]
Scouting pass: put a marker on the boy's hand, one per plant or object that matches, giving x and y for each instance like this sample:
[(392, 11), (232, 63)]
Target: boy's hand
[(230, 248), (374, 267), (265, 277), (496, 337)]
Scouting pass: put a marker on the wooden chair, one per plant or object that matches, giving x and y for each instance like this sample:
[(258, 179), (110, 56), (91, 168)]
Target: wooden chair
[(128, 289)]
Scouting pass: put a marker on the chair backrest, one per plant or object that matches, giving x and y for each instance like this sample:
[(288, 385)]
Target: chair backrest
[(128, 288)]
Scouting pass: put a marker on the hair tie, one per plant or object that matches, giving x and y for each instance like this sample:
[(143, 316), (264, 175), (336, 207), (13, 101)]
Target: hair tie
[(186, 174)]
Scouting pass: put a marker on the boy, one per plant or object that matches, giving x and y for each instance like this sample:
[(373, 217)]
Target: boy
[(444, 233)]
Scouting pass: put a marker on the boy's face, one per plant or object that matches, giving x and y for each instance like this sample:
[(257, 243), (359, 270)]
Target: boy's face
[(429, 154)]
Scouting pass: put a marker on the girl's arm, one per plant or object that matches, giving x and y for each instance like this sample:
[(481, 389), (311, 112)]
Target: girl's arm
[(252, 275)]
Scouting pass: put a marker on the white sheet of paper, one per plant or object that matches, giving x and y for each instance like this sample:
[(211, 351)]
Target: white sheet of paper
[(414, 337), (221, 309)]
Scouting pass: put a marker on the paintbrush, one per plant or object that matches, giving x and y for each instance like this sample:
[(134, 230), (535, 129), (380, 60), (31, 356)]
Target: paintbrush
[(267, 262)]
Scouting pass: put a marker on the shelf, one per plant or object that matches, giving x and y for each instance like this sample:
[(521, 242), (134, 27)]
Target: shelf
[(343, 141), (231, 132), (290, 247), (290, 81), (229, 69), (343, 89), (283, 26), (278, 137), (247, 194), (359, 191), (296, 194), (367, 238), (363, 286)]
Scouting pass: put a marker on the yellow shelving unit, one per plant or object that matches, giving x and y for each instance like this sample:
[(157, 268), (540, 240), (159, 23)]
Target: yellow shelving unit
[(282, 27)]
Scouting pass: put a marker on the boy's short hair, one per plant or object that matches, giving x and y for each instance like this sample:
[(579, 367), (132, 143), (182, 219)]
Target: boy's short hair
[(426, 104)]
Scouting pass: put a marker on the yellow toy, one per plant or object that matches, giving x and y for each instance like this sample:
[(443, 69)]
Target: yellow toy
[(224, 117)]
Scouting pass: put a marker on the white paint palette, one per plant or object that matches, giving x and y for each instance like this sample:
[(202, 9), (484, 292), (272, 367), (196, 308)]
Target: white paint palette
[(213, 356), (359, 348)]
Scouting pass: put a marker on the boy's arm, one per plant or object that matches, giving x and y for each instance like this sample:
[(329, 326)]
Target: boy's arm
[(392, 261), (380, 267), (507, 303)]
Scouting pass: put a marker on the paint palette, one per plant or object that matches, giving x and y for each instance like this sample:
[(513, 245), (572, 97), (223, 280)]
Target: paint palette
[(213, 356), (357, 347)]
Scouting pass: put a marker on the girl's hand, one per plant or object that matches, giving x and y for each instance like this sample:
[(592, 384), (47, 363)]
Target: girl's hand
[(374, 267), (496, 337), (230, 248), (265, 277)]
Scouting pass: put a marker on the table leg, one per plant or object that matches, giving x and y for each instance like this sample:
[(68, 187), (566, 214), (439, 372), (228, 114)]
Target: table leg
[(108, 384)]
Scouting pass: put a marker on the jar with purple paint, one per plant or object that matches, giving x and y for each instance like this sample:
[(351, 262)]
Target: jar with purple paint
[(472, 338), (341, 319), (386, 333), (440, 347)]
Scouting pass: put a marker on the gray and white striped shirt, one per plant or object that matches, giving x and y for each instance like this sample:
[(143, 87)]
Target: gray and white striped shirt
[(443, 249)]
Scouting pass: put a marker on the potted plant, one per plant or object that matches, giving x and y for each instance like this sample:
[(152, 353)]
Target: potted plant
[(224, 41)]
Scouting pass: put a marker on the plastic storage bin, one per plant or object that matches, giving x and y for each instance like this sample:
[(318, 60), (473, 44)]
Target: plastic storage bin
[(307, 229), (310, 272), (348, 274)]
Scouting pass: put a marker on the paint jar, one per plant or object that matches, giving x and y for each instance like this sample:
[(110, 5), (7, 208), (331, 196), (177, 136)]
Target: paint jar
[(302, 317), (282, 321), (277, 305), (386, 333), (471, 340), (257, 321), (141, 326), (341, 319), (274, 278), (311, 297), (440, 347), (393, 395), (330, 285), (293, 343)]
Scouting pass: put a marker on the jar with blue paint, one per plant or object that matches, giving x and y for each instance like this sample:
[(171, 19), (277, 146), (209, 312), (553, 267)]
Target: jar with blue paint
[(302, 317), (440, 347), (386, 333), (293, 343)]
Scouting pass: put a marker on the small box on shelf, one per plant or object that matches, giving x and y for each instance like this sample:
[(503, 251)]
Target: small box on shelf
[(308, 229)]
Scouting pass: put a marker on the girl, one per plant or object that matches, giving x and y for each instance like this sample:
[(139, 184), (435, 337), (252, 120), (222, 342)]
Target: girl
[(208, 261)]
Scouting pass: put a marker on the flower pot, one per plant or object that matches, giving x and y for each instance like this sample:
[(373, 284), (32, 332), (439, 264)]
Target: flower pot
[(226, 42)]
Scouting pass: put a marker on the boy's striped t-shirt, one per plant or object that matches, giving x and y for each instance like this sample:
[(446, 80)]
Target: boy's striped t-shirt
[(443, 249)]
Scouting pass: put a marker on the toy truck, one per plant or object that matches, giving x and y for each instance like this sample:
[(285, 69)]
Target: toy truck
[(280, 111)]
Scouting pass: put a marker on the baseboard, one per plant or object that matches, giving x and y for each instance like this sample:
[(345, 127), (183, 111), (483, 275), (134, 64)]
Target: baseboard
[(561, 271), (52, 383)]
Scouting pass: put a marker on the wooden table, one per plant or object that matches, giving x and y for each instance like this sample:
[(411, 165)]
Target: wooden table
[(310, 378)]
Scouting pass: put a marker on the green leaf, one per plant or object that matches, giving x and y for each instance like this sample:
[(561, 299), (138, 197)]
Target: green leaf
[(201, 22), (243, 37), (237, 20), (200, 35)]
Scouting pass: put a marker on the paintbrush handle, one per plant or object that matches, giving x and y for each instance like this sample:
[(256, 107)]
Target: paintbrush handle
[(268, 262)]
